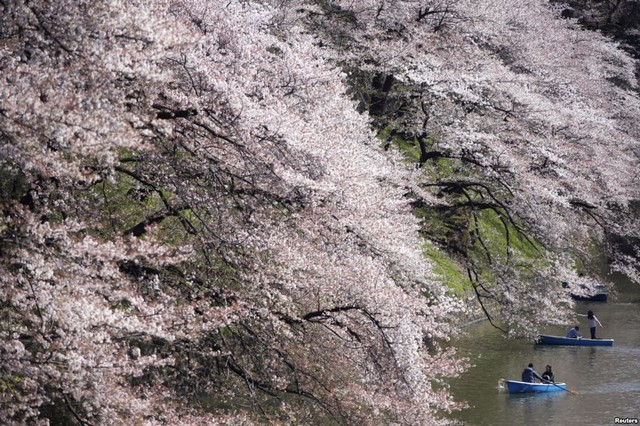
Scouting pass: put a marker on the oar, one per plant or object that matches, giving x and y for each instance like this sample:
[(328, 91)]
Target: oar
[(564, 389)]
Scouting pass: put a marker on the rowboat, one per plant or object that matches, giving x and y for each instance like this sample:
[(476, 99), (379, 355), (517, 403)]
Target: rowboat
[(572, 341), (515, 386), (597, 295)]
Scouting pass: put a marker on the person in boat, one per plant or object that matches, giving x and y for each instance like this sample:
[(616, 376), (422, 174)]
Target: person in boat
[(593, 321), (573, 333), (548, 374), (529, 375)]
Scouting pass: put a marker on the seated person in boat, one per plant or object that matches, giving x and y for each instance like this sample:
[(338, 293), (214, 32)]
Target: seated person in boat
[(548, 374), (573, 333), (529, 375)]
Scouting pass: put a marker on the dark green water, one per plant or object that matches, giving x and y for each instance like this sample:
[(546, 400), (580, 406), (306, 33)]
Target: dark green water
[(606, 379)]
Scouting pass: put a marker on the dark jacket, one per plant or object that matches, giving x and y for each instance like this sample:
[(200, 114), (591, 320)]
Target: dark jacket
[(529, 374)]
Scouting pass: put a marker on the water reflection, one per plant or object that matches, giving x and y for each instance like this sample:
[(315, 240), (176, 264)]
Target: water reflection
[(532, 406)]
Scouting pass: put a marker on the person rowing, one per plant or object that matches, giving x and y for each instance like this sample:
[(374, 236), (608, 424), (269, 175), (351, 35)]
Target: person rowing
[(529, 375)]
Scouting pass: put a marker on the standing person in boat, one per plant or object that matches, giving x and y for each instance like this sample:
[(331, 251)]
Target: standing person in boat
[(593, 320), (573, 333), (529, 375), (548, 374)]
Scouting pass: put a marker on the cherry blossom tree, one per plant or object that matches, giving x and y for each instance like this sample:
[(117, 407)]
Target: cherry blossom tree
[(527, 109), (192, 205), (199, 224)]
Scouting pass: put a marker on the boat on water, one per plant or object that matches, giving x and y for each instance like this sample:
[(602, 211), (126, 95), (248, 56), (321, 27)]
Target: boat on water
[(515, 386), (572, 341), (598, 294)]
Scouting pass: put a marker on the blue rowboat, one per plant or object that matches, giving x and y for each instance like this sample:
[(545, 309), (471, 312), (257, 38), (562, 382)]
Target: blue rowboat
[(599, 294), (571, 341), (598, 297), (516, 386)]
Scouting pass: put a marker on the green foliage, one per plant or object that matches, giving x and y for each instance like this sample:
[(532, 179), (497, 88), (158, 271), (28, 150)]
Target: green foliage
[(127, 203), (9, 384), (501, 238), (13, 184), (498, 242), (172, 230), (447, 269), (408, 147), (124, 304), (595, 260), (478, 236)]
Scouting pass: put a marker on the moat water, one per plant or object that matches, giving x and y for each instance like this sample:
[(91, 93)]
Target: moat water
[(606, 380)]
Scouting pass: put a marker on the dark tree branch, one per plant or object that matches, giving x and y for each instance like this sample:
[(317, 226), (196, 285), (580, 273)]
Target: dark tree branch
[(166, 113), (479, 298), (172, 211), (72, 411)]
